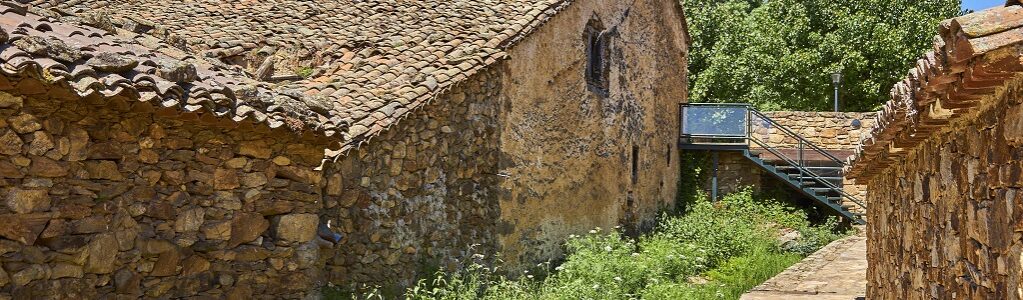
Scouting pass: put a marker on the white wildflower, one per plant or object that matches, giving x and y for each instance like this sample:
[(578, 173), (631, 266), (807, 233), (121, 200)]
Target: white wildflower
[(593, 232), (618, 278), (607, 248)]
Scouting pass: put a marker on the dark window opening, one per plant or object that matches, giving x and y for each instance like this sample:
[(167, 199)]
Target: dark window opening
[(596, 57), (635, 164), (668, 155)]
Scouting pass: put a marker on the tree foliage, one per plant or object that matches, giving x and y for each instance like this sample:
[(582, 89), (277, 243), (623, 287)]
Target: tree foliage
[(778, 54)]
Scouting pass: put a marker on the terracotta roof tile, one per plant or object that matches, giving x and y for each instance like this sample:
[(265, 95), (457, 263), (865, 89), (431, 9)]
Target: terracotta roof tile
[(362, 56), (91, 61), (974, 55)]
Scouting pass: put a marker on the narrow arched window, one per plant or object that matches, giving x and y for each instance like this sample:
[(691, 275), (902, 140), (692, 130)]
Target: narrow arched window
[(596, 56)]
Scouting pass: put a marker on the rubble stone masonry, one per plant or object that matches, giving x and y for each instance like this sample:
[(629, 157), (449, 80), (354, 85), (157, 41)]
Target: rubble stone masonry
[(102, 199), (947, 221), (421, 196), (829, 130)]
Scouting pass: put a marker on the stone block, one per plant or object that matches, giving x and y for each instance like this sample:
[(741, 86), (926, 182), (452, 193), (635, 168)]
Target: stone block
[(189, 220), (297, 227), (46, 167), (24, 123), (24, 228), (246, 227), (102, 252), (26, 201), (254, 149)]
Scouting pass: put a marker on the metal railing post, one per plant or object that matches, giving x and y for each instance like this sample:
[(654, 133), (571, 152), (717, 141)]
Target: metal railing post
[(714, 178), (801, 162), (749, 126)]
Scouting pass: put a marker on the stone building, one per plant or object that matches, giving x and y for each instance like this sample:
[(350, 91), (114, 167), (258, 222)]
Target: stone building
[(249, 149), (943, 168)]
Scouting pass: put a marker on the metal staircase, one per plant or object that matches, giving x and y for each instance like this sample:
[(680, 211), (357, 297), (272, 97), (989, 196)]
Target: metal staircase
[(792, 159)]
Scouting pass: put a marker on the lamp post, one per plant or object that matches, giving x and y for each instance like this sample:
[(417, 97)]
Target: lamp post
[(836, 80)]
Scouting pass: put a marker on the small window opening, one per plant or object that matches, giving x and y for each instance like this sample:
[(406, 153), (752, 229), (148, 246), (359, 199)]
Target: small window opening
[(635, 164), (596, 57), (668, 154)]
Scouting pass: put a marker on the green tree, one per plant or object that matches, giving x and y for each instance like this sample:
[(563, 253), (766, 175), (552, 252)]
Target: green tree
[(778, 54)]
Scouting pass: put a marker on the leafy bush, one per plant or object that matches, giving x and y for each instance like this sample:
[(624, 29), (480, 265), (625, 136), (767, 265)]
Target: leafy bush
[(731, 243), (812, 238)]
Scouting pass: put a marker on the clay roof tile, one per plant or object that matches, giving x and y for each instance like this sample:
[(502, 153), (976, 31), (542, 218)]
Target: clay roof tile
[(369, 49), (973, 56)]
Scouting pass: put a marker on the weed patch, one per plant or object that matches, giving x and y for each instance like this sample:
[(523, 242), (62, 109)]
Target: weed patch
[(712, 251)]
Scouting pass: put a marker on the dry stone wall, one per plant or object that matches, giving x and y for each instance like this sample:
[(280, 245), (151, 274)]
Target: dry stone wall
[(945, 222), (103, 199), (421, 196), (106, 199), (828, 130)]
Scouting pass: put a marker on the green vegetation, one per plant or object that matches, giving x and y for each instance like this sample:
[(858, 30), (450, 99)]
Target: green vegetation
[(713, 251), (778, 54), (304, 72)]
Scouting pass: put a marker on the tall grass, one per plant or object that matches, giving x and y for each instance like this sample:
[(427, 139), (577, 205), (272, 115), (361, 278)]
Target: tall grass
[(713, 251)]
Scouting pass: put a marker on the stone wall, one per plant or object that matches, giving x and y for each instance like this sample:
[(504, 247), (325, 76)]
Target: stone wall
[(828, 130), (945, 221), (573, 158), (106, 198), (736, 172), (421, 195)]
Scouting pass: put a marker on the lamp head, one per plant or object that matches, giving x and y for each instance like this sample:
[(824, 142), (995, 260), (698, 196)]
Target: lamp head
[(836, 77)]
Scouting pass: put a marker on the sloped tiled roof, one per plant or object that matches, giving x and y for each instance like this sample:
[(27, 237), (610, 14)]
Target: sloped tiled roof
[(974, 55), (91, 61), (372, 62)]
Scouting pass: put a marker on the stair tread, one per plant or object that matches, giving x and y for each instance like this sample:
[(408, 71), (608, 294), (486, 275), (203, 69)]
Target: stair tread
[(822, 177)]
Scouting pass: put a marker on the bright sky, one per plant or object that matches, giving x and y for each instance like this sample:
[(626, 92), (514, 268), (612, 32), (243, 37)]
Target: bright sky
[(978, 5)]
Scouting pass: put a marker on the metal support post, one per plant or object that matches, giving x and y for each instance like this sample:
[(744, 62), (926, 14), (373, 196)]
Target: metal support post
[(714, 178)]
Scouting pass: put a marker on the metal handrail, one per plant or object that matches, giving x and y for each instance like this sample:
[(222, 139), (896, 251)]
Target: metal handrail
[(813, 175), (797, 136), (764, 144)]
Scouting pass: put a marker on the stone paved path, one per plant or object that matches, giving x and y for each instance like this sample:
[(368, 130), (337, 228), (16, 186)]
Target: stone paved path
[(837, 271)]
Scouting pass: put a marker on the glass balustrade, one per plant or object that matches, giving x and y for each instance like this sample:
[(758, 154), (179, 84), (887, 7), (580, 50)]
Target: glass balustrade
[(715, 123)]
